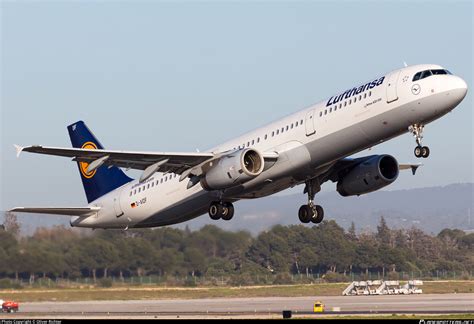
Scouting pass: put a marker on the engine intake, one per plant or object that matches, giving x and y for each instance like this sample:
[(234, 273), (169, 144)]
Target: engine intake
[(374, 173), (233, 169)]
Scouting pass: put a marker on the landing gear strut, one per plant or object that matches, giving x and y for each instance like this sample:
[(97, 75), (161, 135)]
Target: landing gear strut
[(311, 212), (224, 210), (417, 131)]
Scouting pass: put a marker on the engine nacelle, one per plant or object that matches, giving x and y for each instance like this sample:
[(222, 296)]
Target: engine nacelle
[(373, 174), (233, 169)]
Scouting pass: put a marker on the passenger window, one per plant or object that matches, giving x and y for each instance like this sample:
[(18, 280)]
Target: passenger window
[(370, 93), (330, 109), (296, 124), (161, 180), (282, 129), (325, 111), (266, 136), (287, 127), (320, 113), (340, 105), (350, 101), (253, 142), (291, 125), (278, 131), (355, 99), (360, 97), (130, 194), (148, 187), (135, 191), (139, 189), (258, 139), (365, 95), (301, 122), (273, 133), (345, 103)]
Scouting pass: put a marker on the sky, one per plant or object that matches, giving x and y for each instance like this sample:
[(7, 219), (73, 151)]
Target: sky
[(181, 76)]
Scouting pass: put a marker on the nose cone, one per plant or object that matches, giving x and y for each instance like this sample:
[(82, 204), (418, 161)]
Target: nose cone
[(459, 87)]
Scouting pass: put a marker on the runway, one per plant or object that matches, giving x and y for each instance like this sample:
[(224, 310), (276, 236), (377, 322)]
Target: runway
[(388, 304)]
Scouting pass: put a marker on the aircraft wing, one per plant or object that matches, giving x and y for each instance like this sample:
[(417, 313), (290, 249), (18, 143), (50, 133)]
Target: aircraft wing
[(185, 164), (343, 165), (413, 167), (65, 211), (168, 162)]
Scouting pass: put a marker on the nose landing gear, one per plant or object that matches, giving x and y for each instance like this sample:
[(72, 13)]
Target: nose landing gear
[(311, 212), (417, 131)]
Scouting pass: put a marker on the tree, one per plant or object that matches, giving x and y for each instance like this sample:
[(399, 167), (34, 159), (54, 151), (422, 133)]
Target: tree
[(195, 261), (11, 224), (384, 234), (351, 233)]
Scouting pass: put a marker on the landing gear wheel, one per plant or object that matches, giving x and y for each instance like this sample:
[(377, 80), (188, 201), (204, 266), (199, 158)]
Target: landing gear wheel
[(318, 215), (305, 214), (228, 211), (215, 211), (425, 152), (418, 151)]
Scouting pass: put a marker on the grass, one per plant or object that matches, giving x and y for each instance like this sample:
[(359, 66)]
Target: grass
[(154, 292)]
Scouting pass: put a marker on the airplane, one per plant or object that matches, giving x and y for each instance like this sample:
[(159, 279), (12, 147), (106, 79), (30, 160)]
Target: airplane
[(308, 147)]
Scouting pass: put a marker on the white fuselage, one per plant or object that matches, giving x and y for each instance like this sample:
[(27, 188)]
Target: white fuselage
[(307, 142)]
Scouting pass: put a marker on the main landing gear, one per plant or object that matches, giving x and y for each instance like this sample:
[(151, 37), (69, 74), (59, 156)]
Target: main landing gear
[(417, 131), (224, 210), (311, 212)]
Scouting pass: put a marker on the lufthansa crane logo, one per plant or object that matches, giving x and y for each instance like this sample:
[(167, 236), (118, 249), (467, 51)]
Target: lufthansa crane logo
[(415, 89), (83, 165)]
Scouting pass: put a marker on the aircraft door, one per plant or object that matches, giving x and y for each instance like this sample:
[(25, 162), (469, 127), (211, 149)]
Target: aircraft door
[(392, 94), (309, 123), (117, 207)]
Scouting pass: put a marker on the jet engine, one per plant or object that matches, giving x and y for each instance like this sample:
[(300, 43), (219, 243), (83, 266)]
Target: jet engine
[(374, 173), (233, 169)]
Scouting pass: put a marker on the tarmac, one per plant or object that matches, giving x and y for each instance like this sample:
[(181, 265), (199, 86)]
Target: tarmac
[(267, 307)]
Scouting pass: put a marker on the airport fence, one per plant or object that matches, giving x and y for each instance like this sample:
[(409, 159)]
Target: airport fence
[(234, 280)]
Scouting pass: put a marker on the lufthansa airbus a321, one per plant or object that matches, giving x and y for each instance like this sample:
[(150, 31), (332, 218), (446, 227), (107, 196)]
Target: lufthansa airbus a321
[(308, 147)]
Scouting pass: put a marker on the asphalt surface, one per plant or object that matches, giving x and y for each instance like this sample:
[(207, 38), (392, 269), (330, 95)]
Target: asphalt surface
[(388, 304)]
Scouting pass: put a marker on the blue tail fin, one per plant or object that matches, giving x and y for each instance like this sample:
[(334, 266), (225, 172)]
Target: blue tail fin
[(103, 180)]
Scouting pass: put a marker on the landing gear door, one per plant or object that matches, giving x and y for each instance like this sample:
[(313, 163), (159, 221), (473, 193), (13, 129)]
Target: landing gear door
[(117, 207), (392, 94), (309, 122)]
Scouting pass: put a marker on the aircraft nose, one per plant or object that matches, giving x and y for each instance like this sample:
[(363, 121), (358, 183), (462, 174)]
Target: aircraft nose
[(459, 86)]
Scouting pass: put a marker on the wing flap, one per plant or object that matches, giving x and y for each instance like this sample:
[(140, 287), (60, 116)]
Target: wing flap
[(65, 211)]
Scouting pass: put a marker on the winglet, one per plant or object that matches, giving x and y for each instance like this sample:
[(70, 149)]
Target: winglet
[(18, 149), (413, 167)]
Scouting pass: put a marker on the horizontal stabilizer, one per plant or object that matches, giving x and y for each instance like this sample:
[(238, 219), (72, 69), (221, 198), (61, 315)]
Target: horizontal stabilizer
[(66, 211)]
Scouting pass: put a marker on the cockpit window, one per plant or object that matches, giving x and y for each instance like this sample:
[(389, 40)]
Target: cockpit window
[(435, 72), (417, 76), (424, 74)]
